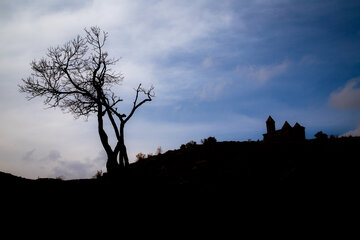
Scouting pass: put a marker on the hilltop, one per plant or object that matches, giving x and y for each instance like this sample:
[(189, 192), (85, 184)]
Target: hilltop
[(231, 166), (228, 168)]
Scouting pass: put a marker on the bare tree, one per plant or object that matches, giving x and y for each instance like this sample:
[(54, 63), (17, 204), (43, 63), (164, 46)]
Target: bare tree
[(77, 78)]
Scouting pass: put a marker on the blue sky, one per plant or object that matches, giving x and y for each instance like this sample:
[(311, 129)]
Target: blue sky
[(219, 69)]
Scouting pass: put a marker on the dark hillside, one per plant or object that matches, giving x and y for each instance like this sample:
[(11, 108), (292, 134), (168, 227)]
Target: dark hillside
[(232, 166), (7, 178), (229, 170)]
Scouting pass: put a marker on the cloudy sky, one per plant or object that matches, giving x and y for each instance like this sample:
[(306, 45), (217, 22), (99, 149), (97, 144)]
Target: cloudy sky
[(219, 69)]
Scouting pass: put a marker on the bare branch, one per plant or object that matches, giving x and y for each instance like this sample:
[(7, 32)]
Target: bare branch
[(71, 75), (149, 94), (77, 78)]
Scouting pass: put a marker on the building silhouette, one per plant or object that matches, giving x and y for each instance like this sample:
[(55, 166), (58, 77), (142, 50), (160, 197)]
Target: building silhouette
[(285, 134)]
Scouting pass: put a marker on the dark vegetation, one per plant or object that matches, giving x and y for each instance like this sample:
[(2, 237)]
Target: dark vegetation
[(221, 169), (236, 167)]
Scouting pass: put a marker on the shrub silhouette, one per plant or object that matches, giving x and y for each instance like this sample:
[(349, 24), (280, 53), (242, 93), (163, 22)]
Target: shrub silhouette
[(98, 174), (158, 151), (188, 145), (140, 156), (209, 140), (321, 136)]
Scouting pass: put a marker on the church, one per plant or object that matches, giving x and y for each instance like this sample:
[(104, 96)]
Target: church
[(285, 134)]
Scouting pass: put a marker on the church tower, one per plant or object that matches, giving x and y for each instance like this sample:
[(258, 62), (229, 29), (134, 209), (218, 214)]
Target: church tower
[(270, 125)]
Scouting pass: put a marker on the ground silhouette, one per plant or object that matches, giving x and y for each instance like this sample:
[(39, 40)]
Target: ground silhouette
[(212, 184), (223, 168)]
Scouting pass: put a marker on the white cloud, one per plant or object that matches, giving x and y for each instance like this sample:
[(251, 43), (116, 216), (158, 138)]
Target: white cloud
[(140, 32), (355, 132), (262, 74), (347, 97)]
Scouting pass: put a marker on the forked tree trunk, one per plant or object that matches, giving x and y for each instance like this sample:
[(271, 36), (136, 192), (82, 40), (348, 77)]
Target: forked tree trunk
[(111, 164)]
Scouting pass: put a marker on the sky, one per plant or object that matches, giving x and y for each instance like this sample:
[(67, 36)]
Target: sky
[(219, 68)]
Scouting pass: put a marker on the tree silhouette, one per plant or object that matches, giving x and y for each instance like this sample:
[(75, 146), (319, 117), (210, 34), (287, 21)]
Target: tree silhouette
[(77, 78)]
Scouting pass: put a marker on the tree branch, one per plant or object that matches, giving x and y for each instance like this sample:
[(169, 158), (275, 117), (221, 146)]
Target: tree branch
[(149, 95), (77, 78)]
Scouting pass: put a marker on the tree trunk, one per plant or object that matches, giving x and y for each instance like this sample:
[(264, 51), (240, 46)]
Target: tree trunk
[(111, 164), (123, 157)]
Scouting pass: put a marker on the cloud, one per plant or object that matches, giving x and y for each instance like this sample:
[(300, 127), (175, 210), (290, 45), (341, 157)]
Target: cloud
[(71, 170), (262, 74), (52, 164), (164, 28), (79, 169), (164, 43), (53, 155), (207, 62), (35, 157), (29, 155), (212, 90), (355, 132), (55, 136), (347, 97)]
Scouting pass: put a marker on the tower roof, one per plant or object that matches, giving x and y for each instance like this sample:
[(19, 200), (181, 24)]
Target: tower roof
[(286, 126), (297, 125), (270, 119)]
